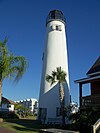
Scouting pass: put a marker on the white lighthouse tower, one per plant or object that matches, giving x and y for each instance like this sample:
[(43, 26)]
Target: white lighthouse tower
[(55, 55)]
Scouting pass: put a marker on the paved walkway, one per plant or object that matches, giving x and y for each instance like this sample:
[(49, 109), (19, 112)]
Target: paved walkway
[(52, 130), (3, 130)]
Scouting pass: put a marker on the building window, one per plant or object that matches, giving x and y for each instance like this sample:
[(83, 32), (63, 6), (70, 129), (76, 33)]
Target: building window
[(53, 27), (8, 106), (43, 56), (58, 111), (42, 114), (56, 27)]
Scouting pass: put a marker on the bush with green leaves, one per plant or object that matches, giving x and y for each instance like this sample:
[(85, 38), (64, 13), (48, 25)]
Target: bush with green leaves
[(7, 114), (83, 119), (22, 111)]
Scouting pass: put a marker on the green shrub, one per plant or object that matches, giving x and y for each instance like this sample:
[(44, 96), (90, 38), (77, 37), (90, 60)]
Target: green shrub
[(6, 114), (85, 118)]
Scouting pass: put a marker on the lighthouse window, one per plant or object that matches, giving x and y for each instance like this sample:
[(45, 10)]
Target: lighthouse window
[(43, 56), (58, 111), (53, 27), (56, 27)]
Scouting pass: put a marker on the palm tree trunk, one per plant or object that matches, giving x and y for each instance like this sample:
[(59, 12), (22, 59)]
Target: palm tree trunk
[(0, 91), (62, 102)]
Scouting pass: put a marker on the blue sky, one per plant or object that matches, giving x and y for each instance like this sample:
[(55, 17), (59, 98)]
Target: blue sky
[(23, 22)]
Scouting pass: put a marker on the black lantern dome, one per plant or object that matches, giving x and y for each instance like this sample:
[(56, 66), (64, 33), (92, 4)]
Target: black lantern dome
[(55, 15)]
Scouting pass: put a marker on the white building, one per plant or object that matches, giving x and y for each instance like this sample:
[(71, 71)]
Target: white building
[(55, 55), (31, 103)]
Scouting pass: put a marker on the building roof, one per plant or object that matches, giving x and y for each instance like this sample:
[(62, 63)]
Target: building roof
[(88, 80), (7, 101), (93, 74), (95, 69)]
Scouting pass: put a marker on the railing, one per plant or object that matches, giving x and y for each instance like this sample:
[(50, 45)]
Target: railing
[(55, 14), (93, 100), (96, 127)]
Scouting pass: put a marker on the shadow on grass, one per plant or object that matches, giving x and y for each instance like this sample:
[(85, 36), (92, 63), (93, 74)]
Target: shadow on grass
[(28, 124), (31, 125), (23, 128)]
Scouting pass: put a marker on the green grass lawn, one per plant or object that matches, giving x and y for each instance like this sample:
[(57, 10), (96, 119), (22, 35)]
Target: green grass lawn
[(22, 125), (27, 125)]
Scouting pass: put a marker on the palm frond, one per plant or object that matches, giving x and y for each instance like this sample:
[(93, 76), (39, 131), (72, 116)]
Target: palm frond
[(5, 41), (58, 75), (11, 66), (19, 66), (53, 73), (61, 75), (50, 79)]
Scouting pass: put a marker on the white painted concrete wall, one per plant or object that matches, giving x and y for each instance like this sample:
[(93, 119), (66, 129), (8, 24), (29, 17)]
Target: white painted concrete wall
[(55, 55)]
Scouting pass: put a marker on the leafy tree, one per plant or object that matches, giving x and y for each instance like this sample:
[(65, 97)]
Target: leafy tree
[(83, 119), (21, 110), (59, 76), (71, 109), (18, 106), (11, 66)]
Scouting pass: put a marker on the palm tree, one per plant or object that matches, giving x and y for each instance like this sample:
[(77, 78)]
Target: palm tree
[(59, 76), (11, 66)]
